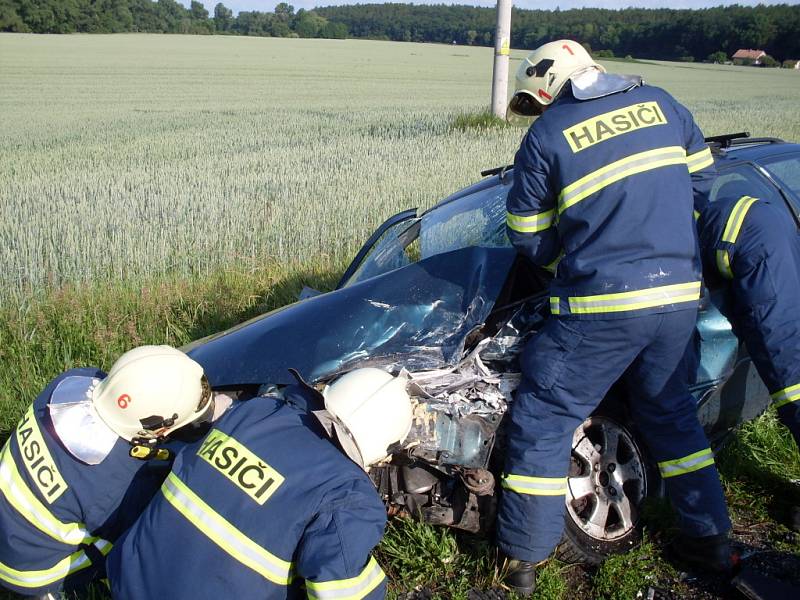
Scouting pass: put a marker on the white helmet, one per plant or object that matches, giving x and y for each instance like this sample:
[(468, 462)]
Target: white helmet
[(371, 410), (152, 391), (542, 76)]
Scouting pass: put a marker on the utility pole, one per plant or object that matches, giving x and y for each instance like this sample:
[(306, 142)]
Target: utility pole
[(502, 45)]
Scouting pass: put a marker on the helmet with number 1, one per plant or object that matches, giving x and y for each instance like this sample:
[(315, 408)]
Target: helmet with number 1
[(542, 76), (152, 391)]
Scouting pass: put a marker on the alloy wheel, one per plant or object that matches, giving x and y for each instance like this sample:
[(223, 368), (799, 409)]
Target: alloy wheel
[(607, 480)]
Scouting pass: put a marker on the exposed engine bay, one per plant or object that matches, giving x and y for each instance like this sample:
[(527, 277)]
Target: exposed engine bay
[(445, 473)]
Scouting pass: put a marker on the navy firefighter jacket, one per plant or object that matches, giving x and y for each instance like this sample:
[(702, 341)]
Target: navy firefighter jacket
[(58, 515), (608, 186), (753, 245), (264, 503)]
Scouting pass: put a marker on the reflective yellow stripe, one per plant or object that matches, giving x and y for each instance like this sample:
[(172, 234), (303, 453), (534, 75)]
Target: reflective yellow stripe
[(34, 579), (535, 486), (735, 220), (724, 264), (224, 534), (699, 160), (733, 227), (555, 306), (636, 300), (786, 395), (687, 464), (19, 496), (618, 170), (531, 223), (354, 588), (696, 215)]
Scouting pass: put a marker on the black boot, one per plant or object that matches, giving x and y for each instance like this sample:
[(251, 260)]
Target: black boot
[(520, 576), (794, 518), (709, 553)]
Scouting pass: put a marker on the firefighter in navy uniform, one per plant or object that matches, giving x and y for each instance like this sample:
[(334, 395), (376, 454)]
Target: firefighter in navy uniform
[(605, 183), (753, 247), (266, 503), (74, 474)]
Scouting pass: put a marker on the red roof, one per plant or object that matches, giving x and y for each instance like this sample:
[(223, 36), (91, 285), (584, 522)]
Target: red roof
[(751, 54)]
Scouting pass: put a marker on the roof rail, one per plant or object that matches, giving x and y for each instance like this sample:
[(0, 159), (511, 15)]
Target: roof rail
[(495, 170), (739, 139), (761, 140), (725, 140)]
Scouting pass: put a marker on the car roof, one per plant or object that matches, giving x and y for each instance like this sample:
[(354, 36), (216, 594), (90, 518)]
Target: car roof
[(752, 150)]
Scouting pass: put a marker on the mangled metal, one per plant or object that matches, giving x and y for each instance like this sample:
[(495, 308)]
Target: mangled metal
[(457, 412)]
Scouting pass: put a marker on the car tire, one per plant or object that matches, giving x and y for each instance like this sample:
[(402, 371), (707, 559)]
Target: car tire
[(610, 477)]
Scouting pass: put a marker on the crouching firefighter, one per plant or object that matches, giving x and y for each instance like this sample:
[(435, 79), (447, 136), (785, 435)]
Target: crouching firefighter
[(606, 180), (74, 474), (275, 498), (752, 247)]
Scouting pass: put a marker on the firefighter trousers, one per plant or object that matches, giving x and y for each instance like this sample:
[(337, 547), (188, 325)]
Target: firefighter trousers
[(770, 333), (568, 368)]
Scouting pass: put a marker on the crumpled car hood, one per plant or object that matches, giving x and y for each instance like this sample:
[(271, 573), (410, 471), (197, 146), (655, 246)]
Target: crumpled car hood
[(415, 317)]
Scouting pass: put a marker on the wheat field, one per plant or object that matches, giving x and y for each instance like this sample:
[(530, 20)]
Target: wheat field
[(129, 156)]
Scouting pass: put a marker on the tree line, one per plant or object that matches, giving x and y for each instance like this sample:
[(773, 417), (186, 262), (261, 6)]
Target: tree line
[(653, 33), (160, 16), (660, 33)]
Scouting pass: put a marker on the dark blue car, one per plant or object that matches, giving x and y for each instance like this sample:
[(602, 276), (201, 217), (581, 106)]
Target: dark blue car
[(443, 297)]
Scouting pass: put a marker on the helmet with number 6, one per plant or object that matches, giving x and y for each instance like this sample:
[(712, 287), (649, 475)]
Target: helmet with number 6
[(542, 76), (152, 391), (370, 410)]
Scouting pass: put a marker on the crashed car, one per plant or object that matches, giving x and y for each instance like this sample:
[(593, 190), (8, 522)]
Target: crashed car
[(443, 298)]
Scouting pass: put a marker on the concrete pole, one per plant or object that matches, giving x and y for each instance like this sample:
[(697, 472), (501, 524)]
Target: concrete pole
[(502, 44)]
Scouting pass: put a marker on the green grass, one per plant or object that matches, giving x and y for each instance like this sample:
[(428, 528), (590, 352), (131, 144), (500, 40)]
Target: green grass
[(92, 325), (154, 189), (622, 577), (756, 466), (419, 556), (478, 120), (448, 564)]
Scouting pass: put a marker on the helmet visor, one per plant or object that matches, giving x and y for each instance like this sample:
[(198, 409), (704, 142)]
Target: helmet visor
[(523, 104)]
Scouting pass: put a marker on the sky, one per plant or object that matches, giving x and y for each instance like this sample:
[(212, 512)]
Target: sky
[(269, 5)]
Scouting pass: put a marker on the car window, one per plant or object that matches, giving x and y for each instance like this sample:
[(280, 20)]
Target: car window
[(475, 220), (396, 248), (478, 219), (786, 170), (742, 180)]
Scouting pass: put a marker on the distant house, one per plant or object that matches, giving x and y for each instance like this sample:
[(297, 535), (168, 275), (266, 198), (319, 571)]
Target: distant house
[(748, 57), (791, 64)]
